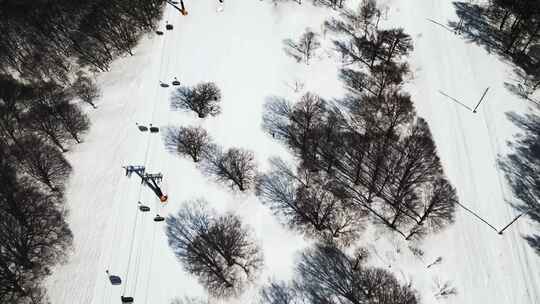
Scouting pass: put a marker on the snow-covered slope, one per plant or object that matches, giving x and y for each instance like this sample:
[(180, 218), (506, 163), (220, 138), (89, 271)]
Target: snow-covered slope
[(241, 50)]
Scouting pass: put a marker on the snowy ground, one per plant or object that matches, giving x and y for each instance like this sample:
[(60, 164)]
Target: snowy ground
[(240, 49)]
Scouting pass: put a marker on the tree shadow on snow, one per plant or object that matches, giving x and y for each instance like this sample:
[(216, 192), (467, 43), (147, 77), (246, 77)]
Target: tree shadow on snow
[(522, 169), (479, 25)]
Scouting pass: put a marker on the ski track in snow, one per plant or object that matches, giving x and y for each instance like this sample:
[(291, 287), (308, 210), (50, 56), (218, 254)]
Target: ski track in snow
[(240, 49)]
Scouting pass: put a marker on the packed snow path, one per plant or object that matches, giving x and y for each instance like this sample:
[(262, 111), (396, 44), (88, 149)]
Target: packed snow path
[(241, 50)]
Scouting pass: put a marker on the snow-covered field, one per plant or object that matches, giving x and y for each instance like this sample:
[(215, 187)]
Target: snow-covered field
[(241, 50)]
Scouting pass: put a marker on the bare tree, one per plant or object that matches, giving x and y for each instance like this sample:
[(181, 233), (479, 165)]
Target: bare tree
[(303, 49), (188, 300), (13, 99), (86, 89), (75, 122), (235, 165), (52, 115), (218, 249), (437, 207), (311, 203), (42, 162), (33, 237), (278, 292), (191, 141), (327, 275), (202, 99), (299, 125)]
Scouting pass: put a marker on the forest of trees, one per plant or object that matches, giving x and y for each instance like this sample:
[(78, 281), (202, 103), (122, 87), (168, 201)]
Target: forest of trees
[(325, 274), (366, 154), (364, 158), (510, 28), (37, 123), (47, 52), (39, 36)]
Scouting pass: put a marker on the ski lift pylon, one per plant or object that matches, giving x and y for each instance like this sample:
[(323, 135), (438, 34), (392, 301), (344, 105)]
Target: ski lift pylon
[(137, 169)]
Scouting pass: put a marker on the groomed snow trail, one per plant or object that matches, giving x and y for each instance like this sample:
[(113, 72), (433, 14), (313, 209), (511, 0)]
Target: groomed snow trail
[(241, 50)]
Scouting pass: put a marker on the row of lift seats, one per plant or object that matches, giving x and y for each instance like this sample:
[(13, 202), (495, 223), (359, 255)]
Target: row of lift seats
[(168, 27), (115, 280), (175, 82), (143, 128), (144, 208)]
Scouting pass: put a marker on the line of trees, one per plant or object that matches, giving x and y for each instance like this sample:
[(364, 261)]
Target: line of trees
[(368, 151), (37, 123), (234, 166), (38, 37), (46, 51), (510, 28), (325, 274), (518, 22), (33, 232)]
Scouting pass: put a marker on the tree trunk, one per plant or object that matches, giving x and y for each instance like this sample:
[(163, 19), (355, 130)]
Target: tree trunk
[(503, 21)]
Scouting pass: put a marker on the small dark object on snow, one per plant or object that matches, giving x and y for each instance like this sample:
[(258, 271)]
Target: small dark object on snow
[(142, 128), (175, 82), (163, 84), (144, 208), (115, 280), (169, 27), (126, 299), (159, 33), (154, 129), (159, 218)]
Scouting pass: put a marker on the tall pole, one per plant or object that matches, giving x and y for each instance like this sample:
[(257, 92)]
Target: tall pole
[(481, 98), (516, 218)]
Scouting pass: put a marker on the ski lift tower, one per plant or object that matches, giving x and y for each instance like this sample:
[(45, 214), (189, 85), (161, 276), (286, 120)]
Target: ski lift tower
[(152, 180)]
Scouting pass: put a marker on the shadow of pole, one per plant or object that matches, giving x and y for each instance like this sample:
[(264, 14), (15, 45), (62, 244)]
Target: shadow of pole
[(522, 170)]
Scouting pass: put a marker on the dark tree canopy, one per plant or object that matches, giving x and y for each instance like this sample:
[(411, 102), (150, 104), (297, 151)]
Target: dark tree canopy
[(235, 166), (376, 157), (303, 49), (311, 203), (85, 89), (42, 162), (218, 249), (33, 236), (41, 40), (203, 99), (327, 275), (191, 141)]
